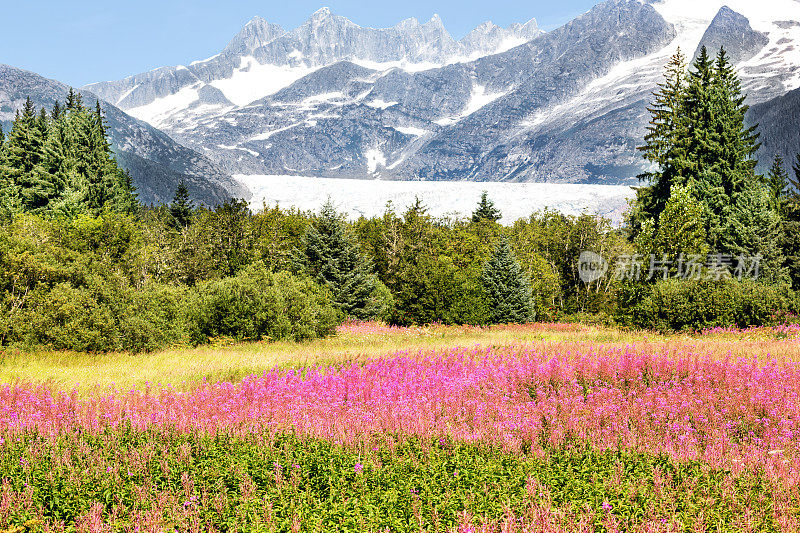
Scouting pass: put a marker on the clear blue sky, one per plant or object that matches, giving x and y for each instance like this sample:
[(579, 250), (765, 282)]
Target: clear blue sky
[(92, 40)]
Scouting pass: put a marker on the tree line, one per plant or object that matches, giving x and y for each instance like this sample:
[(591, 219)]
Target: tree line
[(84, 266), (60, 163)]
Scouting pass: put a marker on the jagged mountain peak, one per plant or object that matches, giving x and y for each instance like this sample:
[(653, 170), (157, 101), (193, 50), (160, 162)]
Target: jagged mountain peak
[(733, 31), (331, 98), (256, 33)]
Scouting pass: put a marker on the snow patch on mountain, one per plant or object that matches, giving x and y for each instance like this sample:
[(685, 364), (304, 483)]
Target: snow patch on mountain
[(411, 130), (478, 99), (379, 103), (159, 111), (252, 80), (375, 158)]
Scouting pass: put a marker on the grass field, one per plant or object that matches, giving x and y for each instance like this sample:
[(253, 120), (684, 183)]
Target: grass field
[(536, 428), (183, 368)]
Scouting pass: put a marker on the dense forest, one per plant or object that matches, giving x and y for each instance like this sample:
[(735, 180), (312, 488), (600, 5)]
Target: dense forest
[(84, 266)]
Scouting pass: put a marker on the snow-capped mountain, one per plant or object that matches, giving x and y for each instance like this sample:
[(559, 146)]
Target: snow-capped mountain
[(331, 98), (264, 58)]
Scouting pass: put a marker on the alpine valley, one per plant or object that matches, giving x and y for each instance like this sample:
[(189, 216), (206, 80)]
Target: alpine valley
[(334, 99)]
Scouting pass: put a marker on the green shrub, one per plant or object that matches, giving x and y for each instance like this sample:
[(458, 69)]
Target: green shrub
[(153, 318), (680, 305), (67, 317), (258, 304)]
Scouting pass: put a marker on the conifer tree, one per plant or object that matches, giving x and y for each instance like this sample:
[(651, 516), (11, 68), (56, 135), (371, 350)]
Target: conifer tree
[(25, 157), (507, 289), (754, 229), (74, 100), (486, 210), (331, 256), (181, 206), (662, 141), (778, 184)]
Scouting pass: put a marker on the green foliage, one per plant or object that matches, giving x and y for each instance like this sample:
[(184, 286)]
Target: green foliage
[(559, 240), (486, 210), (698, 139), (61, 164), (507, 288), (257, 304), (331, 256), (283, 482), (755, 228), (181, 206), (681, 305), (778, 184), (98, 284)]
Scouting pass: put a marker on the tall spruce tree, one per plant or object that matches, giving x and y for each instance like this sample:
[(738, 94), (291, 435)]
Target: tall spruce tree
[(698, 138), (755, 229), (25, 159), (778, 184), (662, 146), (181, 206), (486, 210), (507, 288), (61, 163), (331, 256)]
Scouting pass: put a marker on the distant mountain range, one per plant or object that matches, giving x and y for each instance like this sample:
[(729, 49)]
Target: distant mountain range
[(333, 99)]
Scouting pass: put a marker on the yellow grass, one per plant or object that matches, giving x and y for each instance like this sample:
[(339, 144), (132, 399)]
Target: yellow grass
[(183, 367)]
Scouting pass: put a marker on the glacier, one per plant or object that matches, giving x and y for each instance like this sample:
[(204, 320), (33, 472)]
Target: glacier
[(369, 198)]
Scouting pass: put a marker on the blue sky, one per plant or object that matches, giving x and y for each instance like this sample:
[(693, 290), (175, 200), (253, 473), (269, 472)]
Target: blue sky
[(92, 40)]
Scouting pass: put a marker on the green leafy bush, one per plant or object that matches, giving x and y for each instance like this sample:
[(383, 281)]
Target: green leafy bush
[(681, 305), (258, 304)]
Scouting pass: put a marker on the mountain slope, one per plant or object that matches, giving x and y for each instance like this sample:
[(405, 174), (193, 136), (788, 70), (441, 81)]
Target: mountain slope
[(263, 58), (155, 161), (781, 136), (332, 99)]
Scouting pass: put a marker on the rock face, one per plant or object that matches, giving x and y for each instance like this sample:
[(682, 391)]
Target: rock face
[(155, 161), (333, 99), (779, 121), (732, 30)]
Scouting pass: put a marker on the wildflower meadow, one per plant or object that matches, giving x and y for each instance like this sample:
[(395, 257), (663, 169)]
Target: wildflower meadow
[(626, 436)]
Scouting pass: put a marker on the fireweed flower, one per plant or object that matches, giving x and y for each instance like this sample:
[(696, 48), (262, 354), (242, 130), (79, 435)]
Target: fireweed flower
[(358, 468)]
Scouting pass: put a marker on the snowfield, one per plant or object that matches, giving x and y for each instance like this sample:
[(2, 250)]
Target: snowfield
[(453, 198)]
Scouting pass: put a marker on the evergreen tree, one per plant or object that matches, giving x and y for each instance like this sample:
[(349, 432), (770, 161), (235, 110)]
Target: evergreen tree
[(9, 198), (332, 258), (662, 146), (74, 100), (486, 210), (778, 184), (698, 138), (61, 163), (755, 229), (181, 206), (507, 289), (25, 157)]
